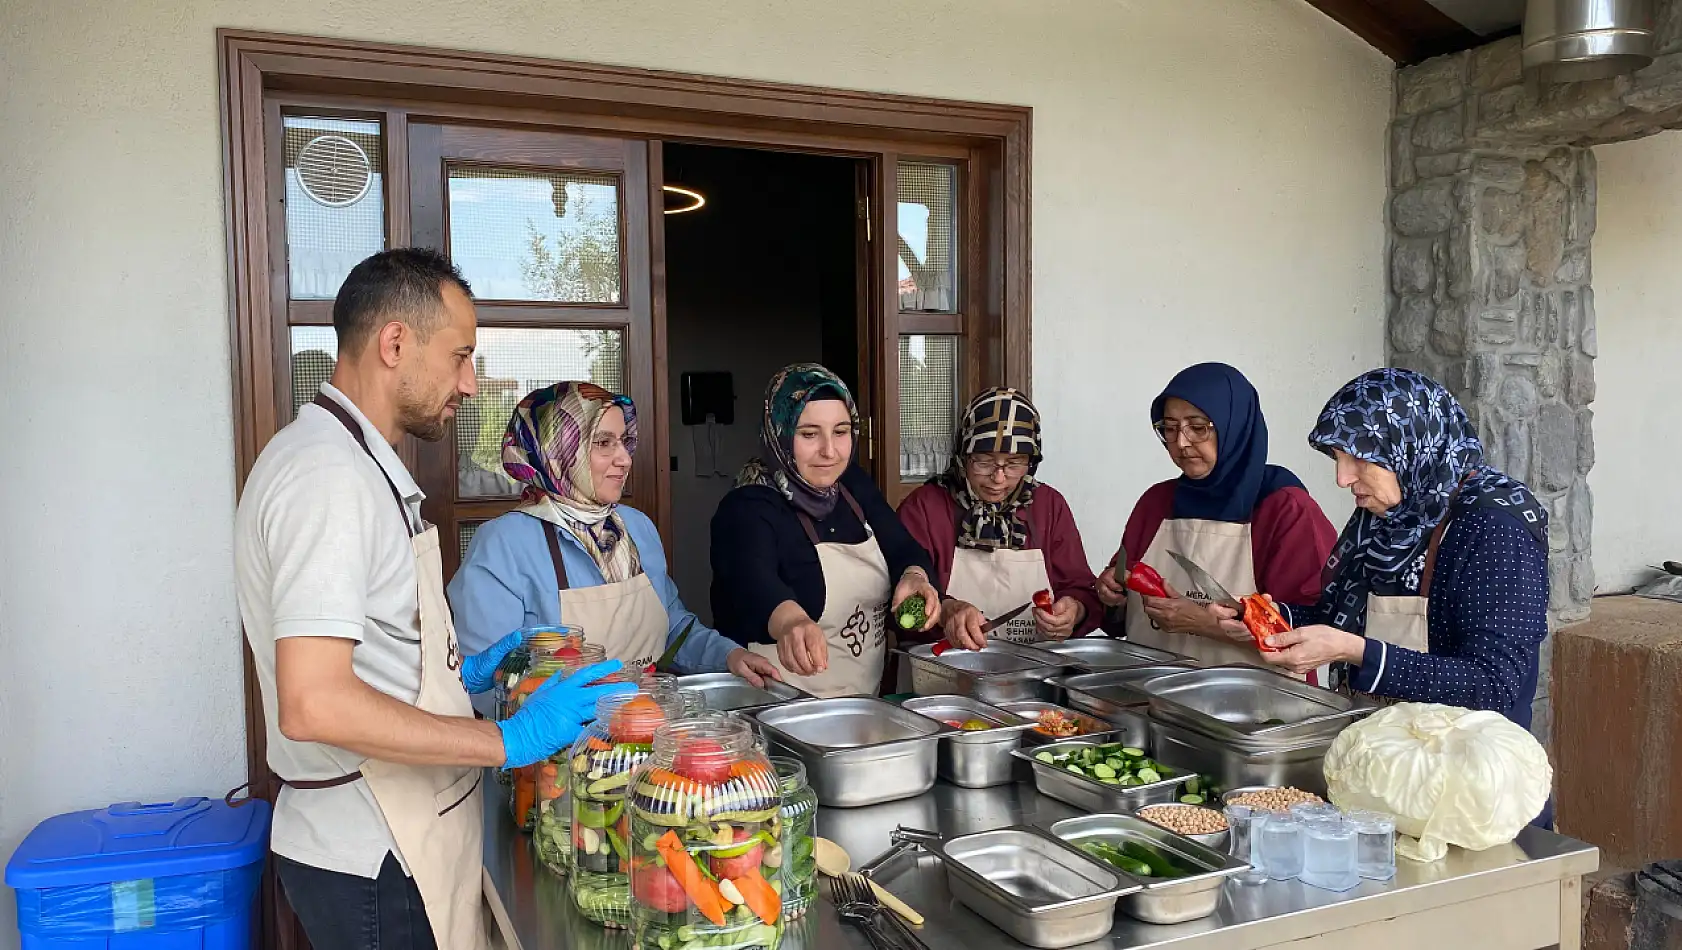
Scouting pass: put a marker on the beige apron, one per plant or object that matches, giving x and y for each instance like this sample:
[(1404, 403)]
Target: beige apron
[(1404, 621), (854, 621), (627, 618), (435, 812), (997, 582), (1223, 548)]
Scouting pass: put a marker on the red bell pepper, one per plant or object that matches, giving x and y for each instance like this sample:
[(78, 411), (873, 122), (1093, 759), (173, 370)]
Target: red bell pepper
[(1146, 582), (1043, 600), (1264, 620)]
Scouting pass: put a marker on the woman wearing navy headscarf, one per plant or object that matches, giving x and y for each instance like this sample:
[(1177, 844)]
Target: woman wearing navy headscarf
[(1437, 590), (1250, 524)]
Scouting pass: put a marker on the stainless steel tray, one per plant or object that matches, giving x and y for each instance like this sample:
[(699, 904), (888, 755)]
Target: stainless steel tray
[(1163, 900), (1250, 705), (858, 750), (979, 758), (1300, 764), (1093, 795), (1109, 692), (1107, 653), (727, 692), (1092, 725), (1030, 884), (998, 673)]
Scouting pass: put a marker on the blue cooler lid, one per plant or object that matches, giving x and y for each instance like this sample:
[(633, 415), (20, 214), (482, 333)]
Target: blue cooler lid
[(129, 841)]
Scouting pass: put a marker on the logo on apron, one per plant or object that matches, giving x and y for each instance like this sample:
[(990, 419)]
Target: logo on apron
[(855, 632)]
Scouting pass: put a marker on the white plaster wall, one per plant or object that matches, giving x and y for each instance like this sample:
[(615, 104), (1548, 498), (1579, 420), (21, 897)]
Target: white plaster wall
[(1638, 312), (1208, 184)]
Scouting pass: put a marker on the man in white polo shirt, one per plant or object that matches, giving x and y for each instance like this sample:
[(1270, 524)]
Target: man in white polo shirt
[(377, 832)]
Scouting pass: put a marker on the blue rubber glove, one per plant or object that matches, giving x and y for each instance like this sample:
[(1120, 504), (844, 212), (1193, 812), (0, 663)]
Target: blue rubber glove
[(478, 672), (555, 713)]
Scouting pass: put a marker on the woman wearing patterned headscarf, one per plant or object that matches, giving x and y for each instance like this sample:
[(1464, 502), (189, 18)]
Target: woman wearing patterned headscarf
[(1250, 524), (807, 555), (571, 553), (1437, 590), (998, 535)]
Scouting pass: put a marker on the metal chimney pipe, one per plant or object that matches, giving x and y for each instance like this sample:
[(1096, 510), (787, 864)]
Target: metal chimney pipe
[(1579, 40)]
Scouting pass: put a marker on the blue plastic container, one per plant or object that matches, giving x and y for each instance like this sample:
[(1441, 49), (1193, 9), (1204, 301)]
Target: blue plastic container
[(181, 875)]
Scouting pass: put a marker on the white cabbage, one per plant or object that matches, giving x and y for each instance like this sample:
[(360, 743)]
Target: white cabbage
[(1449, 775)]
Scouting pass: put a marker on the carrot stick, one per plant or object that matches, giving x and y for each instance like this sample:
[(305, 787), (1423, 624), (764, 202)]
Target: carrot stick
[(702, 892), (525, 793), (548, 788), (760, 897)]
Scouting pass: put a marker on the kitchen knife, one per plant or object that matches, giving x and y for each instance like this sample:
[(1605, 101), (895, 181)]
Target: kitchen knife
[(1206, 582), (986, 628)]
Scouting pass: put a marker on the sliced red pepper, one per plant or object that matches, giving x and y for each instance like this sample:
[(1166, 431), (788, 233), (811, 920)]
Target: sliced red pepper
[(1144, 580), (1264, 620), (1043, 600)]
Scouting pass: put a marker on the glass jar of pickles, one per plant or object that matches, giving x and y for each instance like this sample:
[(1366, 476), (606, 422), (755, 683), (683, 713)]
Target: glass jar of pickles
[(795, 866), (600, 772), (705, 812), (549, 651)]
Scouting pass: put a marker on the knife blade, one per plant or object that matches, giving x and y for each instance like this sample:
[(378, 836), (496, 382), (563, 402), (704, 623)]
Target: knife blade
[(1205, 582), (1004, 618)]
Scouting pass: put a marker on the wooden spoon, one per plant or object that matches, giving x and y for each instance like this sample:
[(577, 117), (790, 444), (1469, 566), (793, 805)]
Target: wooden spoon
[(834, 861)]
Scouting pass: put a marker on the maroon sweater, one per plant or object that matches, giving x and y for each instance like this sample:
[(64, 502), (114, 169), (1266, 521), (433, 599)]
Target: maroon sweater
[(1290, 540), (931, 516)]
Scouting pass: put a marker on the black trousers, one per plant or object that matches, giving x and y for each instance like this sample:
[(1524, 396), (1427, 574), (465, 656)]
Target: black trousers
[(346, 912)]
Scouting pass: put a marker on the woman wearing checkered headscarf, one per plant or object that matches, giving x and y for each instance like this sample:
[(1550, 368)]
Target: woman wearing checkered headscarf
[(998, 535)]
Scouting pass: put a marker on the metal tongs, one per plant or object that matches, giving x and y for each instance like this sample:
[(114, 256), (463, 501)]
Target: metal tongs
[(856, 903)]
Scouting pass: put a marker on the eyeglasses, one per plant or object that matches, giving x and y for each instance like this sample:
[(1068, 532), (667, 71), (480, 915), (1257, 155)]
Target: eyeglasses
[(985, 468), (1195, 432), (608, 445)]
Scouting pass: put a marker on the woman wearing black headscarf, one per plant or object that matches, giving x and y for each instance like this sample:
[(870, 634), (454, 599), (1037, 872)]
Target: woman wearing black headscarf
[(1437, 590), (1250, 524)]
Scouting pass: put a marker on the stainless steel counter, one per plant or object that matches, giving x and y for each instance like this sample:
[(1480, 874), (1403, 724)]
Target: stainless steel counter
[(1524, 896)]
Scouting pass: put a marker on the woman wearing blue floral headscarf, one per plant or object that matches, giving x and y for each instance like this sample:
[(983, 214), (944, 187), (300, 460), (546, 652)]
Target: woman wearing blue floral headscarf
[(1437, 590)]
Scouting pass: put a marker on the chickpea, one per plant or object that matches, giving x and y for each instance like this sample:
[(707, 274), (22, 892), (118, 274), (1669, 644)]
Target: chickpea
[(1276, 799), (1185, 819)]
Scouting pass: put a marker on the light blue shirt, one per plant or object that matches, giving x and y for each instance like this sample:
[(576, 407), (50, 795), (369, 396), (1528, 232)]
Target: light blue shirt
[(508, 582)]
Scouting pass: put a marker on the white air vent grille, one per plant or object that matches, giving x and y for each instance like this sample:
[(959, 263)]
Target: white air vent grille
[(334, 171)]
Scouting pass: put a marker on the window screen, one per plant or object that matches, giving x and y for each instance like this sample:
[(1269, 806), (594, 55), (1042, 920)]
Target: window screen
[(335, 201), (928, 403), (928, 267)]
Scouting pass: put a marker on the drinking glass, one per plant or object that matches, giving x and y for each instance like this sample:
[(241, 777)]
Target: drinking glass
[(1329, 848), (1246, 823), (1375, 834), (1282, 846)]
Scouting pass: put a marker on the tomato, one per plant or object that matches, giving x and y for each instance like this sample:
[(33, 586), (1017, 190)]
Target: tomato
[(741, 865), (567, 653), (655, 886), (704, 761), (636, 721)]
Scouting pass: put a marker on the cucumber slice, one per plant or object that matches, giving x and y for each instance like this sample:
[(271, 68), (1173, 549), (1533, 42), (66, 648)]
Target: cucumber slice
[(1075, 769), (1192, 799), (1135, 753), (1047, 758), (1148, 776), (1193, 787), (1112, 780), (1103, 771)]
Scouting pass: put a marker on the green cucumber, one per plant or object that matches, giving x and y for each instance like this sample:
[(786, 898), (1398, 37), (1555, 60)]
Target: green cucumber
[(602, 786), (1191, 799), (1147, 776), (619, 849), (589, 815)]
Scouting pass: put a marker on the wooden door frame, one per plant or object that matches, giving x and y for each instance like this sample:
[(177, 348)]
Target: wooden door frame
[(257, 70)]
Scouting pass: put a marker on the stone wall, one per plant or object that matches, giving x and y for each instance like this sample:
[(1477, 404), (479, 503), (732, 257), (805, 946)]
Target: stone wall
[(1492, 216)]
